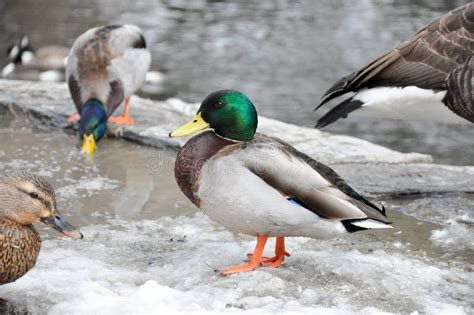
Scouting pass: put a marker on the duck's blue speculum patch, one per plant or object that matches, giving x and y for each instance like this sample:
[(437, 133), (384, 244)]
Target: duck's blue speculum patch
[(93, 120)]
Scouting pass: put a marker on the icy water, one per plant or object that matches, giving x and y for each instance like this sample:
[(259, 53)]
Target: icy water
[(284, 54), (146, 248)]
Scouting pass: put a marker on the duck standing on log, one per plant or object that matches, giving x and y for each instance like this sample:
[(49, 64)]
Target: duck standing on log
[(106, 65)]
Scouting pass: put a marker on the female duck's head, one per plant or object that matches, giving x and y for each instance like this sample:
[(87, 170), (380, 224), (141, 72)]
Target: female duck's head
[(92, 125), (230, 113), (27, 198)]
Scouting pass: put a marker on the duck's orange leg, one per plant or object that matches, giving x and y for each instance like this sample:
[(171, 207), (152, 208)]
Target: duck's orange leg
[(253, 262), (280, 253), (73, 118), (123, 119)]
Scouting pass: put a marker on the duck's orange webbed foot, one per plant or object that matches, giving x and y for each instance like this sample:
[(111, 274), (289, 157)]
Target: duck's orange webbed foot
[(280, 253), (123, 119), (254, 261), (74, 117)]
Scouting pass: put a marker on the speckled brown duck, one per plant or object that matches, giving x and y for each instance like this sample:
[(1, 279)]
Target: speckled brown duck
[(26, 199)]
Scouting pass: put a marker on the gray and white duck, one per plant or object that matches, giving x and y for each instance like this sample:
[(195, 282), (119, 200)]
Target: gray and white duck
[(260, 185), (106, 65)]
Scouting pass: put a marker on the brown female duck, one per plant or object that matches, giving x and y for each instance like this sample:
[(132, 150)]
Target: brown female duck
[(25, 199)]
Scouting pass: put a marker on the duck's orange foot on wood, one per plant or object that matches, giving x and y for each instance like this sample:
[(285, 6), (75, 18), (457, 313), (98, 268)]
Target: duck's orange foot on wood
[(123, 119), (74, 117)]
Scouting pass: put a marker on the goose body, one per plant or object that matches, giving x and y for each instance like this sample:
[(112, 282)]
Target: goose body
[(261, 186), (25, 199), (428, 77), (106, 65)]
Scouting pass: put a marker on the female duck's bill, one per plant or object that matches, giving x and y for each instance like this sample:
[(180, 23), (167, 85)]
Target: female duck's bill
[(57, 222)]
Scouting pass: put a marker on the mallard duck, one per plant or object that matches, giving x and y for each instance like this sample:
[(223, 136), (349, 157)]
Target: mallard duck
[(428, 77), (262, 186), (45, 64), (106, 65), (26, 199)]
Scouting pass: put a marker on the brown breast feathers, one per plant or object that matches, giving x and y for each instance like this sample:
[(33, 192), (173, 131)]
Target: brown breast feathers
[(19, 248), (192, 157)]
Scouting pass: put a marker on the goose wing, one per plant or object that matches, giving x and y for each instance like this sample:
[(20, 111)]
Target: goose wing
[(424, 61)]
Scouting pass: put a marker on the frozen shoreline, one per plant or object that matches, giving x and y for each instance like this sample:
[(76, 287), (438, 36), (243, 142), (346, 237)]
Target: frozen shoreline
[(167, 265), (149, 255), (47, 105)]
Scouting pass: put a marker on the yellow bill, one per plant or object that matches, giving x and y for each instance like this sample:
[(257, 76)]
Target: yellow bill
[(88, 144), (194, 126)]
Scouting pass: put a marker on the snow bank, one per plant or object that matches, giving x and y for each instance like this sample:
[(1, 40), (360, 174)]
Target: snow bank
[(167, 266)]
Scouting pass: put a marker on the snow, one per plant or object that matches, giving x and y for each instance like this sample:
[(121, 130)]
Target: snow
[(457, 233), (167, 266)]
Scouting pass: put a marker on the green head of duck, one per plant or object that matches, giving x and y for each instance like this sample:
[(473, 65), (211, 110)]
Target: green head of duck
[(93, 125), (230, 113)]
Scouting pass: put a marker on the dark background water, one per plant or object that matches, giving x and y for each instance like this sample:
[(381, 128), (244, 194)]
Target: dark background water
[(283, 54)]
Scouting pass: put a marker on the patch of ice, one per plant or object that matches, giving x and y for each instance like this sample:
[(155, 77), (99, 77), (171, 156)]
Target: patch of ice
[(457, 232), (138, 267), (86, 187)]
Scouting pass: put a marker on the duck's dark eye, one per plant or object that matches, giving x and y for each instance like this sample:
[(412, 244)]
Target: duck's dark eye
[(34, 195), (219, 104)]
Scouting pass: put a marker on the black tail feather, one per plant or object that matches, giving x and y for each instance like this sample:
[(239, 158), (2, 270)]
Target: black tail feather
[(340, 111), (351, 228)]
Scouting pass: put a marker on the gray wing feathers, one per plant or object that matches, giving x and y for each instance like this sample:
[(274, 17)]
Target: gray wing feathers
[(75, 90), (424, 61), (296, 175)]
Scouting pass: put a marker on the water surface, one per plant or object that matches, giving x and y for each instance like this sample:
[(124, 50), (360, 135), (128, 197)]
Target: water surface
[(284, 54)]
